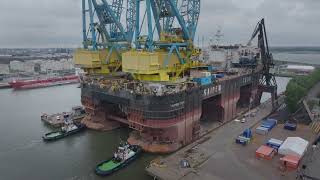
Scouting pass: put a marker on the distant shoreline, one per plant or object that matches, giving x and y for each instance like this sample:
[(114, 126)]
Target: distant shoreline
[(281, 62)]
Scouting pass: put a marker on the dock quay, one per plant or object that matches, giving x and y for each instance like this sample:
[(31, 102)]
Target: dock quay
[(4, 85), (215, 154), (57, 120)]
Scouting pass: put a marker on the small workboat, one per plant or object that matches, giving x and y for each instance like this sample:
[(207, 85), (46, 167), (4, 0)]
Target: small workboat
[(124, 155), (65, 131)]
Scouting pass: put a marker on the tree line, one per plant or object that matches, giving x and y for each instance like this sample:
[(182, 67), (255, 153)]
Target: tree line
[(298, 87)]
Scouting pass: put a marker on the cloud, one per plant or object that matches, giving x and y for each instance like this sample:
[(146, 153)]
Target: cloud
[(289, 22), (57, 23)]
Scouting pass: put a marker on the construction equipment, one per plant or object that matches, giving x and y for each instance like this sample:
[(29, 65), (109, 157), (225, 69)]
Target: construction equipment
[(267, 82), (166, 50), (104, 41)]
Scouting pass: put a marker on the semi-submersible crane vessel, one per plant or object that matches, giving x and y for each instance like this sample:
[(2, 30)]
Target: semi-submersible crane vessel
[(143, 71)]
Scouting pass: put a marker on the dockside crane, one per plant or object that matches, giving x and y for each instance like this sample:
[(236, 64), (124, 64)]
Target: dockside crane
[(106, 34), (267, 81)]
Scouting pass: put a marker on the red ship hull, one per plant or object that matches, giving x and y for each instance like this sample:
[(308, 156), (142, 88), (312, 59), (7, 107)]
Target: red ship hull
[(47, 82)]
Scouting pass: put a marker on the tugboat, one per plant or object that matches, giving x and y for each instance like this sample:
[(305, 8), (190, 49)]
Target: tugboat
[(125, 154), (68, 129)]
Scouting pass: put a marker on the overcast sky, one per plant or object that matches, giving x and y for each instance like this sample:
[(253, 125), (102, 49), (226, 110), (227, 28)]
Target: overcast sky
[(57, 23)]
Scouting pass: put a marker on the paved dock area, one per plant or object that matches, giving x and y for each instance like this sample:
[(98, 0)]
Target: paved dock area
[(311, 161), (216, 156)]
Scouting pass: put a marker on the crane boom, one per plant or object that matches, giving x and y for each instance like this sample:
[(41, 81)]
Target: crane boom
[(267, 82)]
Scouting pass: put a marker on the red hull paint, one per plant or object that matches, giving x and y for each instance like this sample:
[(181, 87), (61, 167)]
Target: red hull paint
[(39, 83), (163, 123), (170, 136)]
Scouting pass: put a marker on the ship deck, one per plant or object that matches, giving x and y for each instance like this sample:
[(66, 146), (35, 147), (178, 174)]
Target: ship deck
[(213, 155), (111, 84)]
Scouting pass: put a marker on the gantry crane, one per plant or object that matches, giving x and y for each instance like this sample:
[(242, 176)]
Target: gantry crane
[(267, 81)]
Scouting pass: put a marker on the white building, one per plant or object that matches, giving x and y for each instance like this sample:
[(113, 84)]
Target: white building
[(300, 68), (45, 65), (4, 69), (29, 66), (296, 69), (17, 65), (52, 65)]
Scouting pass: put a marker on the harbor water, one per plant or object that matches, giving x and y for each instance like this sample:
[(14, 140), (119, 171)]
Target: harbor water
[(23, 154)]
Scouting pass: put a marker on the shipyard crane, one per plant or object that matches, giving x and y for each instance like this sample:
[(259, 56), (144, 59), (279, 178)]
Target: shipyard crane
[(164, 50), (106, 36), (267, 81)]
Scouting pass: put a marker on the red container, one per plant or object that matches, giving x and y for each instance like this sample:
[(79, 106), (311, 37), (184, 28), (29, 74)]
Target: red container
[(290, 161), (265, 152)]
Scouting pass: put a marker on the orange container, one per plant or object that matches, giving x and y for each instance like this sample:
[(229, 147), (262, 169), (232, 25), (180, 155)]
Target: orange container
[(290, 161), (265, 152)]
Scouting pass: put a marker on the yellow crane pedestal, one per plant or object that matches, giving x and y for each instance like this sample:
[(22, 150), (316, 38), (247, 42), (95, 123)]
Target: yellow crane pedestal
[(153, 66), (97, 61)]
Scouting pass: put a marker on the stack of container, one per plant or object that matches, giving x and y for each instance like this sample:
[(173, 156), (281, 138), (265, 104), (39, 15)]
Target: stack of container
[(274, 143), (245, 137), (269, 123), (290, 126), (262, 130), (291, 162), (266, 126), (202, 77), (218, 76), (265, 152)]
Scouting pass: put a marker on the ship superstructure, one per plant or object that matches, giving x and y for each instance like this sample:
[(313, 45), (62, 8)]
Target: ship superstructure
[(162, 90)]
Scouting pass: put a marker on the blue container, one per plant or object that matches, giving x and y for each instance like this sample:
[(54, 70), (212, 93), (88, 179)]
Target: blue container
[(213, 78), (242, 140), (219, 75), (269, 127), (269, 123), (290, 126), (210, 68), (262, 130), (274, 143), (247, 133), (204, 68), (272, 120), (203, 80)]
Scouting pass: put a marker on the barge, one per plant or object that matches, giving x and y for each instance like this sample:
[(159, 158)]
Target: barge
[(166, 117), (57, 120), (161, 88)]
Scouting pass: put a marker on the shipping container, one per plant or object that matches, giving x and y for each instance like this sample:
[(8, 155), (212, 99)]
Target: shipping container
[(269, 123), (247, 133), (219, 75), (290, 161), (203, 80), (274, 143), (262, 130), (242, 140), (290, 126), (265, 152)]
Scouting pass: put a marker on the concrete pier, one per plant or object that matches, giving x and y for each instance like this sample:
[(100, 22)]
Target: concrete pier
[(215, 156)]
